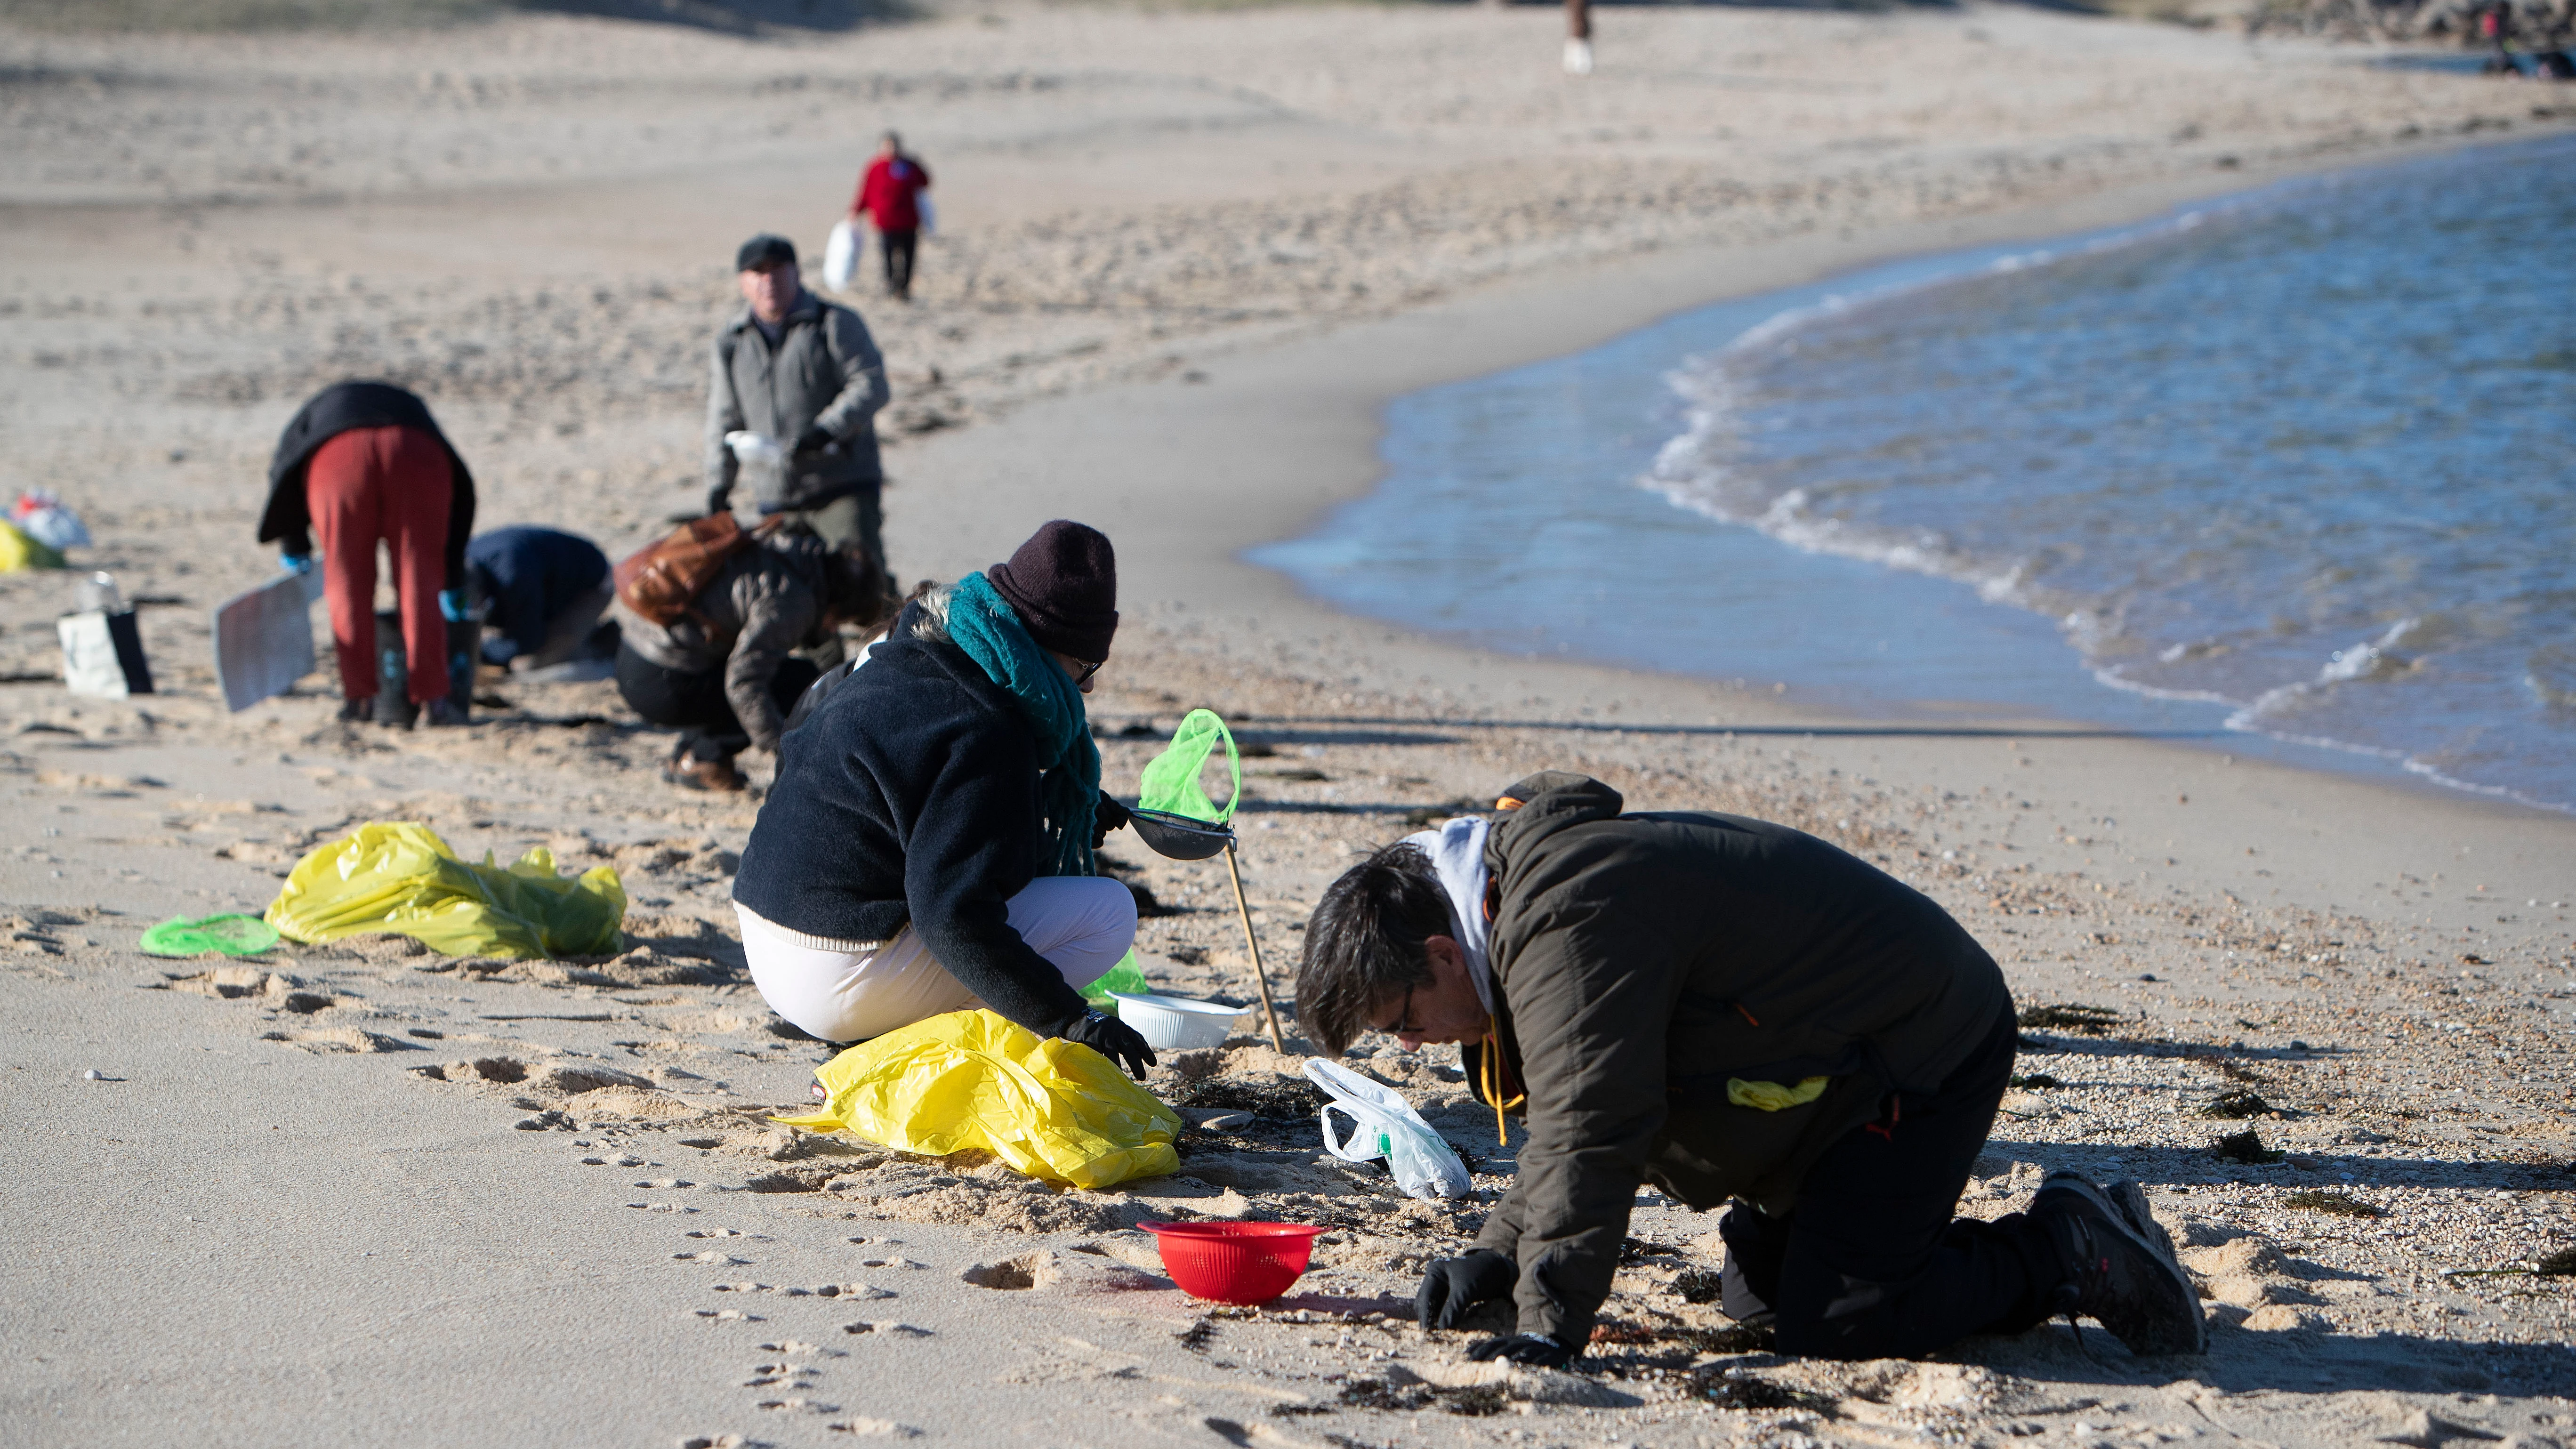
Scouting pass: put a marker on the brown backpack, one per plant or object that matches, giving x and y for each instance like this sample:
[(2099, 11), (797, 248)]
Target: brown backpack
[(662, 580)]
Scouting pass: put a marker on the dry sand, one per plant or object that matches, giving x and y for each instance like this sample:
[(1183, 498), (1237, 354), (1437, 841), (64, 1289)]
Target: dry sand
[(1187, 256)]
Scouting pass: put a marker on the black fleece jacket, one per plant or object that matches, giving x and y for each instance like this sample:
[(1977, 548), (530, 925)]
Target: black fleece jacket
[(335, 410), (912, 795)]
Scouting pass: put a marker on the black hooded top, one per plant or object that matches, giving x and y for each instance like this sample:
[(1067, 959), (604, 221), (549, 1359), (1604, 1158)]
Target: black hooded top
[(335, 410)]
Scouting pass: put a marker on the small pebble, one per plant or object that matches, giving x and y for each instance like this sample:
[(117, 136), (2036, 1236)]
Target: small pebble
[(93, 1075)]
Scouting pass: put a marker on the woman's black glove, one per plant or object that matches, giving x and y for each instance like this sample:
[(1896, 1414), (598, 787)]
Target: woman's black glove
[(814, 439), (1109, 815), (719, 499), (1451, 1286), (1113, 1039), (1534, 1350)]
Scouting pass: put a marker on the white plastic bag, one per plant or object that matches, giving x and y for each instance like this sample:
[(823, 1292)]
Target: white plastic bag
[(40, 514), (763, 464), (928, 211), (1383, 1124), (841, 256)]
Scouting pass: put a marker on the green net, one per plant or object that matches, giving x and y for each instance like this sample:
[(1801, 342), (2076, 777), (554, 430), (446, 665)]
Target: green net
[(1125, 976), (1171, 781), (231, 935)]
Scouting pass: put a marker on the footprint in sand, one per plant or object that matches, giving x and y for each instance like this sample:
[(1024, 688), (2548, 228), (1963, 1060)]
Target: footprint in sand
[(875, 1429), (840, 1290), (798, 1345), (727, 1315), (890, 1263), (710, 1256), (771, 1375), (666, 1184), (897, 1330), (713, 1233), (797, 1405), (660, 1207), (719, 1441), (738, 1288)]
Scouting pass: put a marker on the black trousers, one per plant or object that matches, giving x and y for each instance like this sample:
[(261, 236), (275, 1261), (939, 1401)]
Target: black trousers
[(898, 248), (695, 704), (1872, 1264)]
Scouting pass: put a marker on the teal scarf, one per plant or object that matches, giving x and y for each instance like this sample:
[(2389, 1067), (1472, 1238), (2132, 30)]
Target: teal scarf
[(981, 622)]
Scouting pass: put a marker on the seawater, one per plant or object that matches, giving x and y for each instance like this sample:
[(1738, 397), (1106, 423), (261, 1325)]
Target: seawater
[(2294, 466)]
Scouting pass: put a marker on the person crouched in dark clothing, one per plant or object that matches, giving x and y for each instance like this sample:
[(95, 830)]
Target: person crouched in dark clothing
[(723, 673), (929, 846), (540, 593), (1739, 1014)]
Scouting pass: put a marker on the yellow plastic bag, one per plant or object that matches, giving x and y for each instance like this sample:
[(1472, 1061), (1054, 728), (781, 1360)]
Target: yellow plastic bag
[(1050, 1108), (398, 876), (20, 551)]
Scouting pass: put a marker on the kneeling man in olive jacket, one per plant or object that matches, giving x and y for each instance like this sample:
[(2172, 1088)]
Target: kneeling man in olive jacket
[(1739, 1014)]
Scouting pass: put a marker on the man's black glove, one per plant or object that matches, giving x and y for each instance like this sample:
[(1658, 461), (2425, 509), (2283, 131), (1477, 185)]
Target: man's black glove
[(814, 439), (720, 499), (1451, 1286), (1532, 1350), (1108, 816), (1113, 1039)]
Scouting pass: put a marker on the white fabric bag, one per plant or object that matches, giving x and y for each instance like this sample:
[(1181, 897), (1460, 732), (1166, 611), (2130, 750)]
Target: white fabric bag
[(928, 211), (841, 256), (1383, 1124)]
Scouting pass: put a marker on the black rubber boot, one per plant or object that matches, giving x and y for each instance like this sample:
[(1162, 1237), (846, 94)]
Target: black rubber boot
[(2120, 1265)]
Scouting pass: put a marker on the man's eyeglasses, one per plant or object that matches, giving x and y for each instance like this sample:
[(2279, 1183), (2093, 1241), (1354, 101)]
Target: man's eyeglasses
[(1083, 675), (1405, 1025)]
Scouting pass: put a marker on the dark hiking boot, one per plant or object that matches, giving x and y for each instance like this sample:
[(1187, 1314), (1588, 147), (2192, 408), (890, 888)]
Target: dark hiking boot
[(357, 711), (2120, 1266), (691, 773), (394, 711), (444, 713)]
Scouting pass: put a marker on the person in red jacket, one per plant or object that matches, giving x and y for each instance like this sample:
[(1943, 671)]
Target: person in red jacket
[(890, 197)]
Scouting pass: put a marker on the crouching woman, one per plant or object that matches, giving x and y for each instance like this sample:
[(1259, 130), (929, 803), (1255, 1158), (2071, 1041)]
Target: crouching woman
[(928, 844)]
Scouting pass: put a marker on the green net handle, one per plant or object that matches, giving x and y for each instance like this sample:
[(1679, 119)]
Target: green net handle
[(1171, 779)]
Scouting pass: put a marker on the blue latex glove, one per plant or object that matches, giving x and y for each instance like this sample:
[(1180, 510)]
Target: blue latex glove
[(297, 563), (451, 602)]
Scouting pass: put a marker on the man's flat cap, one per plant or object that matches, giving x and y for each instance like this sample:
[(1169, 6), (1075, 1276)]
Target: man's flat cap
[(763, 252)]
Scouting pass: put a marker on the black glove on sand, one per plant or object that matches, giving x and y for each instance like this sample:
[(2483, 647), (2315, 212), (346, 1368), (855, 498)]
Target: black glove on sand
[(1113, 1039), (813, 440), (1108, 816), (1534, 1350), (1451, 1286)]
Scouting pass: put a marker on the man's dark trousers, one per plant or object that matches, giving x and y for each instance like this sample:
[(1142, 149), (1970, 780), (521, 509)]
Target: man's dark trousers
[(1872, 1263), (898, 248)]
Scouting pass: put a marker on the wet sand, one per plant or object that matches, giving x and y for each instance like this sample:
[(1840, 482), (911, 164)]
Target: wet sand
[(369, 1189)]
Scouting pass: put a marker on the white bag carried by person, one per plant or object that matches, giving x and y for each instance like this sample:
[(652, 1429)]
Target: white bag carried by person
[(928, 211), (841, 256), (1383, 1124), (761, 462)]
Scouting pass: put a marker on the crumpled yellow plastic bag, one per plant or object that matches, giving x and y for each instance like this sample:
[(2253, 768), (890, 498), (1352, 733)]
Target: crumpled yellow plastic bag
[(398, 876), (19, 550), (1050, 1108)]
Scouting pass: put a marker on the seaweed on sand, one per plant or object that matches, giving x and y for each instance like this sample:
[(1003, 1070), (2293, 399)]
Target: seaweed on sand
[(1733, 1388), (2237, 1105), (2070, 1016), (2342, 1204), (2245, 1147)]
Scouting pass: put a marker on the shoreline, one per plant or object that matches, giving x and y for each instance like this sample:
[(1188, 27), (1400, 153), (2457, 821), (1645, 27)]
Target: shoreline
[(2076, 690)]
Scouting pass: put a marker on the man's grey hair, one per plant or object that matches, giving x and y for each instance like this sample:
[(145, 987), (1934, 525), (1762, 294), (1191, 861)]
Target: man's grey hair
[(1364, 944)]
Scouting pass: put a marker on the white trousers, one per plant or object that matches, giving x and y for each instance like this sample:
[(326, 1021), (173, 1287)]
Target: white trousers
[(1082, 925)]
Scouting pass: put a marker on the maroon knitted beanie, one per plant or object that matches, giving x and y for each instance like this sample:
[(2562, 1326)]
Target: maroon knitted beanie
[(1063, 583)]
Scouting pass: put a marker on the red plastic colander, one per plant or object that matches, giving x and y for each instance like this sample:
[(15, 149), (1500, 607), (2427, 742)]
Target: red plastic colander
[(1242, 1263)]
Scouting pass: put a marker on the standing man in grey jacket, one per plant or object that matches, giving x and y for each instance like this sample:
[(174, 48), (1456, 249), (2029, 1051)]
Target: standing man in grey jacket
[(805, 372)]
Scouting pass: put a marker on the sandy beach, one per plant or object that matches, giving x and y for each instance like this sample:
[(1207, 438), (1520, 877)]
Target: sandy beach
[(366, 1191)]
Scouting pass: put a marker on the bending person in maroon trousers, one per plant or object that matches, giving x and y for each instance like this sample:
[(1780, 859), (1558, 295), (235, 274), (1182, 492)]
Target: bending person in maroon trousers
[(364, 463)]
